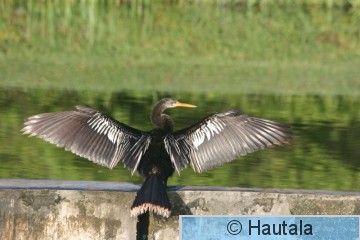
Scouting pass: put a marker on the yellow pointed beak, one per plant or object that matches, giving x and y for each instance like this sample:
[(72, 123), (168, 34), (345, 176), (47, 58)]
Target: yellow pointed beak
[(179, 104)]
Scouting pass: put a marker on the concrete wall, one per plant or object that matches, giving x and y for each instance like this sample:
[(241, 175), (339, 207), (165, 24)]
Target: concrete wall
[(43, 209)]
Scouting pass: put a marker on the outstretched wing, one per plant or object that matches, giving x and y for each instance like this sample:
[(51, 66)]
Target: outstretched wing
[(92, 135), (221, 138)]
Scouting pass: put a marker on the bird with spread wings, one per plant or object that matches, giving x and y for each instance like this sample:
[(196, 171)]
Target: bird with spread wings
[(156, 154)]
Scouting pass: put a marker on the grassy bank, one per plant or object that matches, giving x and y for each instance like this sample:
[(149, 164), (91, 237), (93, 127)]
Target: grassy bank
[(230, 46), (195, 75)]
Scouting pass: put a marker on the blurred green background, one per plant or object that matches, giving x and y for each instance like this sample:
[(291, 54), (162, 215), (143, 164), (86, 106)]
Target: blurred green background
[(297, 62), (273, 46)]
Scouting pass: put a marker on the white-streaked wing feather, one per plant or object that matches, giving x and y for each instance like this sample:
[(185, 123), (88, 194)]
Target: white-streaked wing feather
[(92, 135), (221, 138)]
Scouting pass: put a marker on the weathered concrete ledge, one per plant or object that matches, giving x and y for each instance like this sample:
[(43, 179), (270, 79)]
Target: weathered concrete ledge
[(46, 209)]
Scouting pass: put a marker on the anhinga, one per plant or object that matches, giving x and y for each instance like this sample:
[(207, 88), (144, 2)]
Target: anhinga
[(218, 138)]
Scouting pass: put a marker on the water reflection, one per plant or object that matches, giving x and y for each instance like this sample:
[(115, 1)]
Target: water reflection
[(324, 154)]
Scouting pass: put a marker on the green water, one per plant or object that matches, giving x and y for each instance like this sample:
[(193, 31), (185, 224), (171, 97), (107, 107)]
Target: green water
[(325, 152)]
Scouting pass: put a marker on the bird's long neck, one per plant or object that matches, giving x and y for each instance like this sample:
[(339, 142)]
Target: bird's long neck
[(161, 120)]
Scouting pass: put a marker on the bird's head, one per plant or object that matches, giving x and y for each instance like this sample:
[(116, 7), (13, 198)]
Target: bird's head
[(172, 103), (161, 120)]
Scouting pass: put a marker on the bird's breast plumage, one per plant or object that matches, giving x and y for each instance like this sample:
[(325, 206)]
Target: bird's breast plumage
[(156, 158)]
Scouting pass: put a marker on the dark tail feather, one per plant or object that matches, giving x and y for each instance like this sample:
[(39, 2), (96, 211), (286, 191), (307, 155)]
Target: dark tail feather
[(152, 197)]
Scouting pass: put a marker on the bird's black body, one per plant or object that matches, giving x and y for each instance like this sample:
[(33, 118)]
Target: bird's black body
[(155, 167), (155, 155), (156, 160)]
